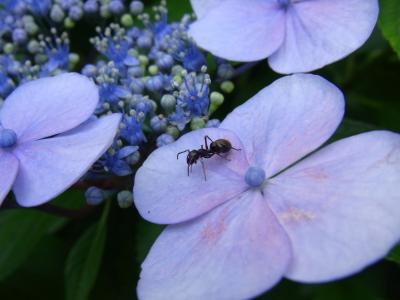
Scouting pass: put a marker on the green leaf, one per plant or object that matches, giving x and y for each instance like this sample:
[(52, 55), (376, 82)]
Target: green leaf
[(394, 255), (84, 260), (146, 234), (22, 229), (389, 22), (20, 232)]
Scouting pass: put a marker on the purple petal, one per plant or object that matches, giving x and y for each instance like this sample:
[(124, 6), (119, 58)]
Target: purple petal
[(8, 172), (323, 31), (165, 194), (49, 166), (241, 30), (49, 106), (236, 251), (340, 206), (287, 120), (202, 7)]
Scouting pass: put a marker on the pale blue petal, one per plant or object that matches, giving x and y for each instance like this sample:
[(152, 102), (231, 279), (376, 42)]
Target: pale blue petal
[(236, 251), (49, 106), (287, 120), (163, 191), (321, 32), (241, 30), (50, 166), (340, 206), (202, 7)]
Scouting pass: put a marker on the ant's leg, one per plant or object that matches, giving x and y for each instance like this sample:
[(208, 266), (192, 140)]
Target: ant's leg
[(177, 156), (236, 149), (205, 140), (188, 166), (204, 169)]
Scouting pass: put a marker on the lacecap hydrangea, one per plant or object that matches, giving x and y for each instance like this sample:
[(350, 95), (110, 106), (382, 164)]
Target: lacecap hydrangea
[(146, 68)]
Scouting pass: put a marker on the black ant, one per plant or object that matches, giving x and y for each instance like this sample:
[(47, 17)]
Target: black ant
[(216, 147)]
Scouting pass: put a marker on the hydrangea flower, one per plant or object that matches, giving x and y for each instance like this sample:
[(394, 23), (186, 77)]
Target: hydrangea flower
[(276, 208), (295, 35), (47, 138)]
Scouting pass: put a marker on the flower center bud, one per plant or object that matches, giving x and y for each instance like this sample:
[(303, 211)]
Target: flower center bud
[(255, 176), (8, 138), (284, 3)]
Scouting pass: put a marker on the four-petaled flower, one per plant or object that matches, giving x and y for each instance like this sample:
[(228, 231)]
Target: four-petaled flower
[(271, 211), (296, 35), (47, 138)]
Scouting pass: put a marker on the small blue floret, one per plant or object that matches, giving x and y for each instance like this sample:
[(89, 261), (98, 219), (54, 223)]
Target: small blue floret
[(94, 196), (255, 176), (8, 138)]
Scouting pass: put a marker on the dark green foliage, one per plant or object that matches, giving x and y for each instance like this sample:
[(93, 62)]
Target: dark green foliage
[(84, 260), (389, 22)]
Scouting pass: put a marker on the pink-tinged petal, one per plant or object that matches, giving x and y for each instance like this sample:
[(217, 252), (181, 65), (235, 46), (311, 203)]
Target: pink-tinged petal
[(202, 7), (323, 31), (8, 172), (48, 106), (241, 30), (340, 206), (236, 251), (287, 120), (50, 166), (165, 194)]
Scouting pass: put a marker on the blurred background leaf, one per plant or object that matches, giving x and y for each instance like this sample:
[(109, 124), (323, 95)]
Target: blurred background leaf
[(22, 229), (389, 22), (84, 260), (394, 255)]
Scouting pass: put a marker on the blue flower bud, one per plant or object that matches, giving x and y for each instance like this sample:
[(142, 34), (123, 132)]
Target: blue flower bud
[(33, 46), (19, 36), (213, 123), (116, 7), (31, 27), (136, 7), (225, 71), (165, 61), (164, 139), (168, 102), (125, 199), (136, 71), (89, 70), (75, 13), (136, 85), (155, 83), (144, 41), (133, 33), (158, 123), (57, 13), (91, 6), (255, 176), (94, 196), (133, 158), (8, 138)]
